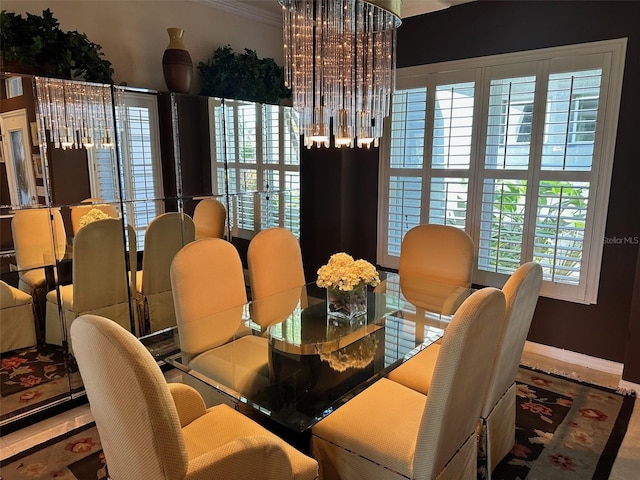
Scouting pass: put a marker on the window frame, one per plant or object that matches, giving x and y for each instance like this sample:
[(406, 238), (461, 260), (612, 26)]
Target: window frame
[(481, 70)]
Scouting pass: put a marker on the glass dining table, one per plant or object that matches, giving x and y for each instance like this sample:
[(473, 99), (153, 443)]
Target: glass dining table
[(294, 363)]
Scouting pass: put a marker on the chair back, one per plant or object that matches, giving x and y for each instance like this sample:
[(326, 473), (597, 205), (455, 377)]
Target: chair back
[(209, 217), (79, 211), (521, 292), (130, 401), (163, 238), (459, 382), (99, 266), (276, 275), (39, 237), (437, 252), (209, 294)]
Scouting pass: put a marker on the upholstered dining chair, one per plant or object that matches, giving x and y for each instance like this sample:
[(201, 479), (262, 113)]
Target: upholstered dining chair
[(163, 238), (209, 218), (79, 211), (39, 239), (209, 295), (154, 430), (100, 284), (389, 431), (441, 255), (498, 415), (17, 323), (276, 275)]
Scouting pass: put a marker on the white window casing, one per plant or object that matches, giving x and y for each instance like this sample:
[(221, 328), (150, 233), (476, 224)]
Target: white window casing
[(515, 149)]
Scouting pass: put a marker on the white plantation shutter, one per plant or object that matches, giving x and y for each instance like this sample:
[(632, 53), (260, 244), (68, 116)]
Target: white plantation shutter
[(140, 166), (262, 154), (451, 153), (517, 150)]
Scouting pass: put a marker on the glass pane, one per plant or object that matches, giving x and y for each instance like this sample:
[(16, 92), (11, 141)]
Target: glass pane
[(452, 126), (509, 123), (502, 225), (560, 226), (405, 194), (407, 128), (448, 202), (570, 120)]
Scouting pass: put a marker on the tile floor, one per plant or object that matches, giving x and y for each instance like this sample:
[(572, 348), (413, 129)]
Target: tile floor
[(626, 467)]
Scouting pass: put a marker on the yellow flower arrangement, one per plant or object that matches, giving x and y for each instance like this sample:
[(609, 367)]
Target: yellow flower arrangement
[(344, 273), (91, 216)]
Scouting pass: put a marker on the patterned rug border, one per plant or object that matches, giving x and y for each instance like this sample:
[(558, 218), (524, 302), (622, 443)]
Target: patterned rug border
[(619, 429), (45, 444)]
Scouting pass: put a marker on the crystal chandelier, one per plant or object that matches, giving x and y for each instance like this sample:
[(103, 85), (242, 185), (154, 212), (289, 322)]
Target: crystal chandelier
[(339, 60), (75, 114)]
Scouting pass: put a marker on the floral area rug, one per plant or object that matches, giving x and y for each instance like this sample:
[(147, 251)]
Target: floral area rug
[(76, 455), (22, 369), (564, 429)]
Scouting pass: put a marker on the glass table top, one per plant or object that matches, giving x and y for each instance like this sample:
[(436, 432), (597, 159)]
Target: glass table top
[(294, 363)]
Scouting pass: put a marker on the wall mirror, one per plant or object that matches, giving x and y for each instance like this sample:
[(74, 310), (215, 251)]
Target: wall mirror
[(164, 169)]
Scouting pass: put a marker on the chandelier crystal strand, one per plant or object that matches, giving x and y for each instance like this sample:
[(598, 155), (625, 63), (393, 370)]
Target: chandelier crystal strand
[(75, 114), (340, 63)]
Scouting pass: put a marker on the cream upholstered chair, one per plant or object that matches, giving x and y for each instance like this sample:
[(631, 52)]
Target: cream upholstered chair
[(163, 238), (441, 255), (209, 218), (39, 239), (17, 323), (99, 280), (389, 431), (276, 275), (209, 295), (153, 430), (498, 415), (78, 211)]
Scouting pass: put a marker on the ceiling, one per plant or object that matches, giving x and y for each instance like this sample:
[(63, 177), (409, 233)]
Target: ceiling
[(270, 12)]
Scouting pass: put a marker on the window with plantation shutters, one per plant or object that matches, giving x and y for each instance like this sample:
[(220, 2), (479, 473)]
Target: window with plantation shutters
[(140, 165), (515, 149), (261, 147)]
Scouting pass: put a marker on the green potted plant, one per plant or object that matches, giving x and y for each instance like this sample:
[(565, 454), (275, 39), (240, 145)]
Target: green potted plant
[(36, 44), (242, 76)]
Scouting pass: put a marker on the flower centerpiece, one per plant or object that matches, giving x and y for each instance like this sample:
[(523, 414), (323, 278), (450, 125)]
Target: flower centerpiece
[(346, 282), (91, 216)]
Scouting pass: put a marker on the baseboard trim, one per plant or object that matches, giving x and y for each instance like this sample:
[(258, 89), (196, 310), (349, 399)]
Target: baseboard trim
[(600, 364), (629, 386)]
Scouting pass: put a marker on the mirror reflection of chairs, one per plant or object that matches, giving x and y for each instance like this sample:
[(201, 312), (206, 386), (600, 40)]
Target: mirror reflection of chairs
[(209, 218), (39, 240), (209, 294), (79, 211), (17, 322), (164, 237), (100, 283)]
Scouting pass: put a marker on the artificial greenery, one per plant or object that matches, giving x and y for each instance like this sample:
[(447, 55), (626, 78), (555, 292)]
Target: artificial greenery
[(242, 76), (38, 42)]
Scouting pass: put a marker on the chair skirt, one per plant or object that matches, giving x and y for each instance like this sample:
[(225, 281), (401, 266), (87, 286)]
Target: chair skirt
[(497, 431)]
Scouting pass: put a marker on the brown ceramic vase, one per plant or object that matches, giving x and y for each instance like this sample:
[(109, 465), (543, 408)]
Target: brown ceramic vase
[(176, 63)]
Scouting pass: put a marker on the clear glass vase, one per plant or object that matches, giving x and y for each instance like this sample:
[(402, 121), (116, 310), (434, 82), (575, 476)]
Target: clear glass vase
[(346, 306)]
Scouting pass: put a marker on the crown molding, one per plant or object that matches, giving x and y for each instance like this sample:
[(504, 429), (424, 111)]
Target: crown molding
[(244, 10)]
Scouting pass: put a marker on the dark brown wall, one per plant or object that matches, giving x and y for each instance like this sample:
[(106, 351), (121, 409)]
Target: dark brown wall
[(339, 189), (607, 330)]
